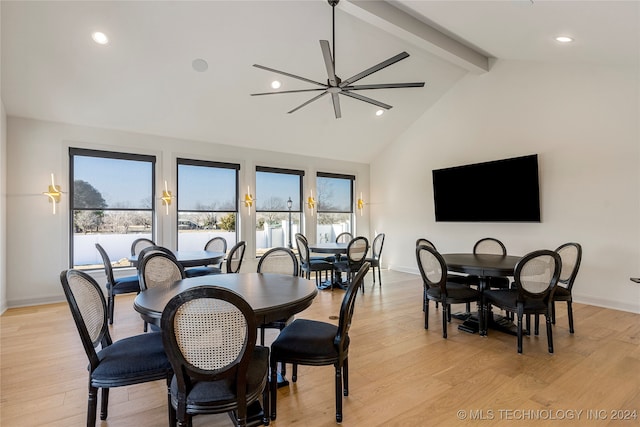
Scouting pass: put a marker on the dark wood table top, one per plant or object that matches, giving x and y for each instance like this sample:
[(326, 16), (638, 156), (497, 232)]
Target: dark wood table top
[(191, 258), (329, 248), (483, 265), (272, 296)]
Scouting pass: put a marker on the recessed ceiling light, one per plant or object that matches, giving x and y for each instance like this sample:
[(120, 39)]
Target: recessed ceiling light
[(276, 84), (200, 65), (100, 38), (564, 39), (379, 112)]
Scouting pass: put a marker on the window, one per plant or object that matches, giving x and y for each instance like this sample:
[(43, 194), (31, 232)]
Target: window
[(335, 205), (207, 202), (274, 188), (112, 203)]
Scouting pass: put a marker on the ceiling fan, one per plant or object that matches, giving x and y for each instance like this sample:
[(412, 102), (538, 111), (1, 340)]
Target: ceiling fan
[(335, 86)]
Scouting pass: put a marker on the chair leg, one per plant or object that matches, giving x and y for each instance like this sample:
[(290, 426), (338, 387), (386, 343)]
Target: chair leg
[(553, 312), (536, 328), (273, 384), (266, 418), (104, 405), (172, 410), (338, 393), (110, 304), (145, 327), (426, 313), (373, 273), (445, 316), (345, 377), (570, 314), (294, 373), (379, 277), (92, 406), (520, 314), (549, 333)]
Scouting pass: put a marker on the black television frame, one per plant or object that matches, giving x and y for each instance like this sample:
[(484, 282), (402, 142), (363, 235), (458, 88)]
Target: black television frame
[(506, 190)]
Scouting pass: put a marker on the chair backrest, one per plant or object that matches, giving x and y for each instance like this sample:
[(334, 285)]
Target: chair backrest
[(571, 255), (278, 260), (140, 244), (357, 250), (108, 269), (235, 257), (154, 249), (209, 333), (217, 244), (303, 248), (344, 237), (423, 241), (347, 308), (159, 269), (489, 246), (432, 266), (537, 273), (376, 246), (89, 311)]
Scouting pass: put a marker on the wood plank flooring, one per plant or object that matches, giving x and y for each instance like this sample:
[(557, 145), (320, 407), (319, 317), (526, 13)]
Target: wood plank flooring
[(401, 374)]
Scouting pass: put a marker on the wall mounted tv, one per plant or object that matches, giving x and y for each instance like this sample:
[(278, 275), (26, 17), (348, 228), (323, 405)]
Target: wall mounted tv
[(498, 191)]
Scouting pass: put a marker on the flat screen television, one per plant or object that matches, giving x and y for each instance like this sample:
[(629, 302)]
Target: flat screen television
[(499, 191)]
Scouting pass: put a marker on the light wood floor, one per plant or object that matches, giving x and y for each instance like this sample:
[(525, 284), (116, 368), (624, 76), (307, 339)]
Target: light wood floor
[(401, 374)]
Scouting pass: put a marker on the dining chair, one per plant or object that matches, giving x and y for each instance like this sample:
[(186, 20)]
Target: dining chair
[(235, 257), (140, 244), (121, 285), (153, 249), (317, 343), (209, 334), (158, 269), (492, 246), (133, 360), (571, 256), (344, 237), (437, 287), (376, 252), (308, 265), (535, 279), (216, 244), (356, 253)]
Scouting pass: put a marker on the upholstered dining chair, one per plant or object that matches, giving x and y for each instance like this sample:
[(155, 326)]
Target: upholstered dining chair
[(492, 246), (433, 270), (235, 257), (571, 256), (308, 265), (209, 334), (356, 253), (344, 237), (316, 343), (121, 285), (216, 244), (153, 249), (535, 278), (132, 360), (376, 253), (140, 244)]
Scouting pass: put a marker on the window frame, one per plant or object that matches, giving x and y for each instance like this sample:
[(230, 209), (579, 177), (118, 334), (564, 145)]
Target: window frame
[(351, 211)]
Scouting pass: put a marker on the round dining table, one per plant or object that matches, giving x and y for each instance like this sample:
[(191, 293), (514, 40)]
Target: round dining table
[(191, 258), (272, 296), (338, 249)]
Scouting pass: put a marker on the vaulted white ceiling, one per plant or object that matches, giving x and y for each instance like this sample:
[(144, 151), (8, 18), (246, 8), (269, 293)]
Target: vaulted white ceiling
[(143, 80)]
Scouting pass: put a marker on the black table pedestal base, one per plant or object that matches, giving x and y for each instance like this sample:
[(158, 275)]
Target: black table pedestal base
[(255, 415), (496, 322)]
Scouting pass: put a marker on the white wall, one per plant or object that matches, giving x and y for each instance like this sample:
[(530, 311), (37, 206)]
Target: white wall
[(581, 120), (3, 208), (38, 241)]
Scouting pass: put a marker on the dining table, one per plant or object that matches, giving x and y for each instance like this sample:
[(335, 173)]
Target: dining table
[(338, 249), (191, 258), (483, 266)]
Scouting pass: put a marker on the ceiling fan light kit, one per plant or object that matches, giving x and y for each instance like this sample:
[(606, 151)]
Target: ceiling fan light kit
[(336, 86)]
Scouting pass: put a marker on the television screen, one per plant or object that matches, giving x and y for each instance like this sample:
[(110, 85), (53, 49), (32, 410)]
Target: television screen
[(498, 191)]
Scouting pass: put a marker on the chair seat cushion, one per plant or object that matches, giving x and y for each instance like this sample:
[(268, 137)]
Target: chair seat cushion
[(131, 360), (323, 258), (218, 393), (202, 271), (562, 294), (373, 261), (125, 285), (317, 265), (498, 282), (304, 340), (455, 293), (508, 300)]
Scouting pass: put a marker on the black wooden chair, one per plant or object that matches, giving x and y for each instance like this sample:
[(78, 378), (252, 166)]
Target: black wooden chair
[(216, 244), (536, 276), (140, 244), (316, 343), (344, 237), (437, 287), (308, 265), (153, 249), (492, 246), (131, 360), (571, 256), (356, 253), (209, 334), (121, 285), (376, 252), (235, 257)]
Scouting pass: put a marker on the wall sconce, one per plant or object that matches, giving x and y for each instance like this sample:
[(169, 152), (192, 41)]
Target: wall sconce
[(311, 202), (248, 200), (166, 197), (53, 194), (360, 204)]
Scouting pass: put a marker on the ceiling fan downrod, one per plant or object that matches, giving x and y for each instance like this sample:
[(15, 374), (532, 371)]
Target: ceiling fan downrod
[(333, 4)]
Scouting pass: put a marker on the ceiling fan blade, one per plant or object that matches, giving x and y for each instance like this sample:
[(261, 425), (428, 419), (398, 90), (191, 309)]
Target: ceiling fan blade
[(375, 68), (383, 86), (328, 62), (289, 75), (288, 91), (336, 105), (308, 102), (367, 99)]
